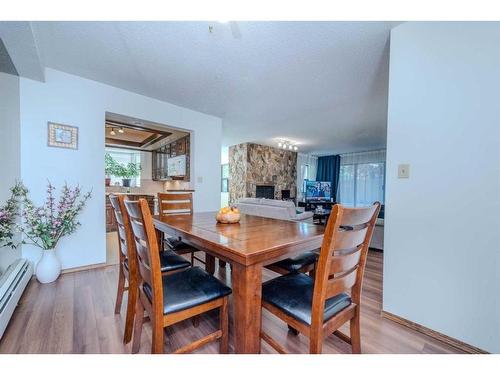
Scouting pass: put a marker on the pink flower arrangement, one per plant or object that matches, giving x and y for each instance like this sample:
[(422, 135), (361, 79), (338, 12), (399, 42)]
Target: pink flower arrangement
[(44, 226)]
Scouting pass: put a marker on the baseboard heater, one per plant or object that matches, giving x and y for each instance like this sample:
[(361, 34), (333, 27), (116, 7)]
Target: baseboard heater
[(12, 284)]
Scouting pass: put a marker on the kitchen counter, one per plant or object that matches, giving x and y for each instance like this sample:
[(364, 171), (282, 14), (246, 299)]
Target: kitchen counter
[(142, 195)]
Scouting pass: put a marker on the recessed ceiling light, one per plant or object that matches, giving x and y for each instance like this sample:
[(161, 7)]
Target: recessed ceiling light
[(121, 131)]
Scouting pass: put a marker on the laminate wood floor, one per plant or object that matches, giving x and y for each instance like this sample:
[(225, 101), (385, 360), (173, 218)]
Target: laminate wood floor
[(76, 315)]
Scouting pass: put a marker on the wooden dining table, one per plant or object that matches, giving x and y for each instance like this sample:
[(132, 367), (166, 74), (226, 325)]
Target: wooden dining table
[(248, 246)]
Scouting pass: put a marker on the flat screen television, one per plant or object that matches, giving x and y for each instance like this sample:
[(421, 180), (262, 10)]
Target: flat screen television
[(318, 190)]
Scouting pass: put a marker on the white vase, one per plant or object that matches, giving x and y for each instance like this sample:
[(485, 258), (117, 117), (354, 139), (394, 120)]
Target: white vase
[(48, 268)]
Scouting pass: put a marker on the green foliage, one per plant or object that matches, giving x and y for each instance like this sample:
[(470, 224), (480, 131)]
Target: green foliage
[(113, 168), (9, 214), (110, 165), (128, 171)]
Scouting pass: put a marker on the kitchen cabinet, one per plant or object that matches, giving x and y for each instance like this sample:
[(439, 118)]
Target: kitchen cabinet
[(110, 213), (160, 155)]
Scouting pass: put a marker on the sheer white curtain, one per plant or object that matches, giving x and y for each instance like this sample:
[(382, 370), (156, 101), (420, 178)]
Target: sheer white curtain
[(306, 170), (362, 178)]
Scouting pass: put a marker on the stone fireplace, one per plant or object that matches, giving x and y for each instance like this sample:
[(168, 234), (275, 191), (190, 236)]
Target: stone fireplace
[(253, 166)]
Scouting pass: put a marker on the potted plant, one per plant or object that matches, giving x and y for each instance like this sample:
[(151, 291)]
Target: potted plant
[(126, 172), (109, 168), (44, 226)]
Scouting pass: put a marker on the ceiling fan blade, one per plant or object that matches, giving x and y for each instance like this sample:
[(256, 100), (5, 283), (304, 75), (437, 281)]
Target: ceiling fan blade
[(235, 29)]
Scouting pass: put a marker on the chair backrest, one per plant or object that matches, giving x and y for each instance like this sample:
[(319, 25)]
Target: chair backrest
[(125, 241), (147, 252), (343, 255), (175, 203)]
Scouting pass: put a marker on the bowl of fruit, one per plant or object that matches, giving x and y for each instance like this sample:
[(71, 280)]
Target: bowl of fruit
[(228, 215)]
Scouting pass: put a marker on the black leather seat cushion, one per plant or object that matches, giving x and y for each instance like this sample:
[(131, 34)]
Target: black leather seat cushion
[(298, 262), (169, 261), (188, 288), (293, 294), (178, 246)]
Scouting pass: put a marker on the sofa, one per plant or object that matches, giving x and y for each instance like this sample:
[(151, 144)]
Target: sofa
[(275, 209)]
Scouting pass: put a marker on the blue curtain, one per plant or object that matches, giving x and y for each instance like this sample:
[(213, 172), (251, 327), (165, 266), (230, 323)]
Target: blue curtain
[(329, 170)]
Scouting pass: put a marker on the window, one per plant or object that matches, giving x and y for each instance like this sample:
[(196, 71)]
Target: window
[(362, 178), (306, 170), (224, 186), (124, 157)]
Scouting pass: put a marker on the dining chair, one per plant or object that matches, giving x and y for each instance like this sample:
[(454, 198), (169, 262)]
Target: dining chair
[(172, 298), (127, 271), (177, 204), (304, 263), (319, 307)]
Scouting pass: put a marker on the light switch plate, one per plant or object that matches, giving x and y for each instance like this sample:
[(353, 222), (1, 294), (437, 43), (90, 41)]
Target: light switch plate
[(404, 171)]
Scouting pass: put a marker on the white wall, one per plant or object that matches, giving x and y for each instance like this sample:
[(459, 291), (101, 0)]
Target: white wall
[(72, 100), (442, 225), (10, 169)]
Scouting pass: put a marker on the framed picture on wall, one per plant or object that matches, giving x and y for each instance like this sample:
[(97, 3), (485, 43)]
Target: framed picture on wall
[(63, 136)]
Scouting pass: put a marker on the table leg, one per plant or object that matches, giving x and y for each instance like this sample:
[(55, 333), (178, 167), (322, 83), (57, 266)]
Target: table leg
[(209, 263), (159, 238), (247, 285)]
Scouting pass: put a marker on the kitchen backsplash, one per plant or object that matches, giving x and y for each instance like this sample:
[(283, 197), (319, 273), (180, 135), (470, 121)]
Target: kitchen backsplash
[(149, 187), (177, 185)]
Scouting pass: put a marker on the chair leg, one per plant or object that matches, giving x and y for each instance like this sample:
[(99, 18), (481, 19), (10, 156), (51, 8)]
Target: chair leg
[(131, 308), (119, 293), (224, 327), (210, 264), (355, 333), (222, 264), (192, 259), (316, 343), (157, 344), (139, 318)]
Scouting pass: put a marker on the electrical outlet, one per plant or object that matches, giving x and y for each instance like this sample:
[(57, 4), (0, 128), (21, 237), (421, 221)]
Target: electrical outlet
[(404, 171)]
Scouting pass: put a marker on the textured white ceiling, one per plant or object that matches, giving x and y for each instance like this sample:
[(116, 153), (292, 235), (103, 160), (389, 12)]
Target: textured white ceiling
[(22, 48), (322, 84)]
